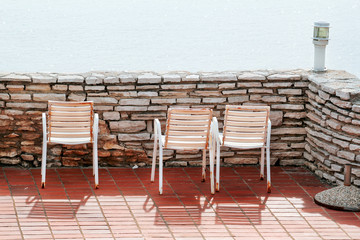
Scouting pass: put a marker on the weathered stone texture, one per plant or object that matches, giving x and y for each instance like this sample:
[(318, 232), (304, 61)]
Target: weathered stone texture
[(127, 104), (15, 78), (92, 80), (149, 79), (77, 97), (219, 77), (127, 126), (39, 78), (70, 79), (332, 130), (281, 76), (134, 137), (251, 76), (51, 96), (103, 100), (290, 91)]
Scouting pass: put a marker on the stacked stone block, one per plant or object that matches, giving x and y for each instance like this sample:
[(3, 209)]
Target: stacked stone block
[(333, 125), (127, 104)]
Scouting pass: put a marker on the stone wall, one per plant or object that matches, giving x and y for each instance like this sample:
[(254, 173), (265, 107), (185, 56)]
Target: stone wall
[(333, 125), (127, 103)]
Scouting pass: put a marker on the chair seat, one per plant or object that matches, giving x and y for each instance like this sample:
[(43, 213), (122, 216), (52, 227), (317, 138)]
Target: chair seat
[(70, 141), (240, 145), (178, 144)]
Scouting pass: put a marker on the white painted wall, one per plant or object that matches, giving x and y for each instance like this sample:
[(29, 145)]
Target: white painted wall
[(162, 35)]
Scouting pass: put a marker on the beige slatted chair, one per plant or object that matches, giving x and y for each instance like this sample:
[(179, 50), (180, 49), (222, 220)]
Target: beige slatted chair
[(245, 127), (70, 123), (186, 129)]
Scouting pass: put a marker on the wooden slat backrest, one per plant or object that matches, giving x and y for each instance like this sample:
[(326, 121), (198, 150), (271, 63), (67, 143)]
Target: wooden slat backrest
[(70, 120), (188, 128), (245, 124)]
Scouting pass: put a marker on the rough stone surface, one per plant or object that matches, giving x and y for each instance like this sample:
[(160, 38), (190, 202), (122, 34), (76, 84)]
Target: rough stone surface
[(70, 79), (219, 77), (136, 102), (10, 161), (276, 118), (50, 96), (77, 97), (149, 79), (93, 80), (341, 197), (103, 100), (352, 130), (171, 78), (320, 110), (40, 78), (251, 77), (134, 137), (282, 76), (127, 126), (332, 129), (15, 78)]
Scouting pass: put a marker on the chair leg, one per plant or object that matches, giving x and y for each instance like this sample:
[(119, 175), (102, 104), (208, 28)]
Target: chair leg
[(153, 165), (268, 169), (217, 167), (96, 165), (203, 173), (43, 164), (160, 170), (93, 162), (212, 158), (262, 164)]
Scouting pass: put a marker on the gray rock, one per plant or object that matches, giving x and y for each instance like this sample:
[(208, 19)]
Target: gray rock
[(71, 79), (149, 79), (15, 78)]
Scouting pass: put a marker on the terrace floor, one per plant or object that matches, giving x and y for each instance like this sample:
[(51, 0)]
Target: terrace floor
[(128, 206)]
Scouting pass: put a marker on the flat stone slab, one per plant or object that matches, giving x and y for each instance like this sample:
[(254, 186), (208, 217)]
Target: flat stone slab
[(345, 198), (343, 84)]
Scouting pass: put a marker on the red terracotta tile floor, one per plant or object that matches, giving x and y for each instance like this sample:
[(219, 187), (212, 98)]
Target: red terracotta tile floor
[(128, 206)]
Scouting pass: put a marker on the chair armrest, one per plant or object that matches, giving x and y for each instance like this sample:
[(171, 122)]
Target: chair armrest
[(44, 126), (157, 130), (96, 125), (268, 135)]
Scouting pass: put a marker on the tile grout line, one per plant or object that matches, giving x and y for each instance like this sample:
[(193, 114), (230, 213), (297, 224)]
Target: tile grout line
[(227, 229), (126, 202), (14, 204), (296, 208), (98, 202), (157, 207), (264, 204), (72, 207), (257, 230), (319, 206), (177, 196), (44, 209)]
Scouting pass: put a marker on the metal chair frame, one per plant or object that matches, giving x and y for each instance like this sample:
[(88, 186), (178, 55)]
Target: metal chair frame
[(245, 127), (70, 123), (186, 129)]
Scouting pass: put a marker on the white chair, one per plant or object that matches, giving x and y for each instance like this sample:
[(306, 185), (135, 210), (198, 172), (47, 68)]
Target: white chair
[(70, 123), (245, 127), (186, 129)]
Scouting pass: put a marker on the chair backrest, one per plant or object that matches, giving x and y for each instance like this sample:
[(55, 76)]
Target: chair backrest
[(188, 128), (70, 120), (245, 124)]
